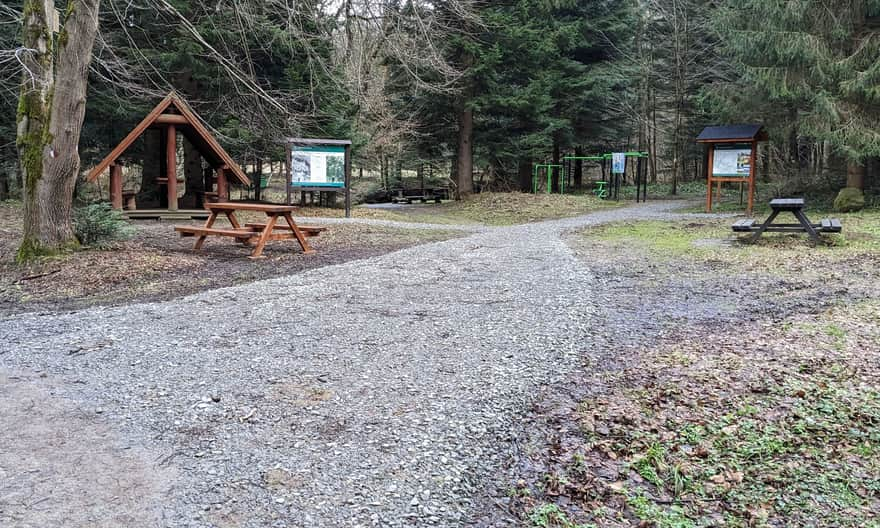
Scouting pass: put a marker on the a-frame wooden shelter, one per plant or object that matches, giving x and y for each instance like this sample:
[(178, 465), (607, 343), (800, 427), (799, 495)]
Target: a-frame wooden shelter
[(174, 115)]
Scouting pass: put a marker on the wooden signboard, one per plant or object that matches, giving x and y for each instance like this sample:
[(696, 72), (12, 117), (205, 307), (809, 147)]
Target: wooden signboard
[(732, 158)]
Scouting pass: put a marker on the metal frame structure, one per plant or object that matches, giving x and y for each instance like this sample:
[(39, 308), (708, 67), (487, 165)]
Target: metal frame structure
[(615, 180), (548, 169)]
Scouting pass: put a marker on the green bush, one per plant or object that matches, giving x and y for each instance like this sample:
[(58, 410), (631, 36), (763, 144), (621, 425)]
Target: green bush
[(849, 199), (99, 225)]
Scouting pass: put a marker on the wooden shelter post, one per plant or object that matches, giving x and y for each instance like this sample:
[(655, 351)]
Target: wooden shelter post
[(222, 184), (116, 186), (171, 167)]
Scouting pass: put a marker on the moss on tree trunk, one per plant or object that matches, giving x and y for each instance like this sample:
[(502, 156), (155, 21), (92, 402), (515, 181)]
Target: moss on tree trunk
[(50, 115)]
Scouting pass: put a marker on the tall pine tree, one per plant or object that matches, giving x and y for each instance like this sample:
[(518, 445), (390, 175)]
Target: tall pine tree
[(819, 59)]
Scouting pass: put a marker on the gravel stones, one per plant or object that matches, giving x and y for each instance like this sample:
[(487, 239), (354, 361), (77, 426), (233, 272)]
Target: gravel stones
[(379, 392)]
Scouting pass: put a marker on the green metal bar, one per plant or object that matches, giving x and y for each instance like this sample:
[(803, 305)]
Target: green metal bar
[(549, 168)]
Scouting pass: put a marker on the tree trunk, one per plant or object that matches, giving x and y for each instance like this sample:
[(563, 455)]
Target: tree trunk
[(51, 109), (4, 181), (524, 175), (655, 176), (855, 175), (464, 177), (556, 172), (258, 179), (578, 168)]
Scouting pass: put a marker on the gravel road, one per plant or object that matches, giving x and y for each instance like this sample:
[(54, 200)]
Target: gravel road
[(379, 392)]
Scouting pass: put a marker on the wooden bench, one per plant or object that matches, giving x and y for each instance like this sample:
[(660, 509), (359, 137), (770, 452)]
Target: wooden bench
[(239, 234), (311, 231), (794, 206), (830, 225), (744, 226)]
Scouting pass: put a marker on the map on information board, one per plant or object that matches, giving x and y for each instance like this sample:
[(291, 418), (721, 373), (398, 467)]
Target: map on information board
[(732, 162), (317, 166)]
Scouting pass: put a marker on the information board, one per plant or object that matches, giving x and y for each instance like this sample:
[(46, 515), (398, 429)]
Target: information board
[(618, 163), (732, 162), (317, 166)]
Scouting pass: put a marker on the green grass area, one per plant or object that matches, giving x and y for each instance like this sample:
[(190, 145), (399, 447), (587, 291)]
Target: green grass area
[(495, 209), (552, 516), (780, 428), (520, 208), (713, 238), (805, 450)]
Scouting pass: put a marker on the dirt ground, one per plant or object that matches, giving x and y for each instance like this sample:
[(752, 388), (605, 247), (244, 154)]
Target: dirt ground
[(74, 459), (726, 385), (157, 264)]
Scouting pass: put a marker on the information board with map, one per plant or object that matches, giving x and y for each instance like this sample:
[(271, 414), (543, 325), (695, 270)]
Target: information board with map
[(732, 162), (313, 166)]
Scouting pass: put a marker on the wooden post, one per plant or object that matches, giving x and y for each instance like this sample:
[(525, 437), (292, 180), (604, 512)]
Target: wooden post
[(348, 181), (710, 162), (208, 185), (288, 171), (752, 170), (116, 186), (171, 167), (222, 185)]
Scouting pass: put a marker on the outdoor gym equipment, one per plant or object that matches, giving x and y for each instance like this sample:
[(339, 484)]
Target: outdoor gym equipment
[(548, 169), (613, 179)]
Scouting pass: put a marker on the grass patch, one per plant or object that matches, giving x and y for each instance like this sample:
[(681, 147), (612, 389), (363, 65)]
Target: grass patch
[(777, 426), (496, 209), (520, 208), (551, 516), (712, 240)]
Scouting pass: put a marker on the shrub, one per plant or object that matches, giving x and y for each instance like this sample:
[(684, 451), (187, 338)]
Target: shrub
[(99, 225), (849, 199)]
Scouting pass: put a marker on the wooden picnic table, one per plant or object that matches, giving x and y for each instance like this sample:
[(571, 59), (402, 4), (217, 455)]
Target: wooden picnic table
[(259, 232), (794, 206)]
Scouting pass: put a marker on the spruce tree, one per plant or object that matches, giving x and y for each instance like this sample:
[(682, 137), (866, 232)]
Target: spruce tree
[(818, 58)]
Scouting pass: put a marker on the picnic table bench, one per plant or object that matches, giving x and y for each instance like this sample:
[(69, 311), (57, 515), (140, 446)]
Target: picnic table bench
[(796, 207), (255, 232)]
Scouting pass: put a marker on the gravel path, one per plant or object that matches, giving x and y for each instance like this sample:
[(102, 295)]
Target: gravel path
[(311, 220), (379, 392)]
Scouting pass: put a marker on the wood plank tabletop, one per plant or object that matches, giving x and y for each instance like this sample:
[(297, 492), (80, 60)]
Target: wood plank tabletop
[(264, 208), (786, 202)]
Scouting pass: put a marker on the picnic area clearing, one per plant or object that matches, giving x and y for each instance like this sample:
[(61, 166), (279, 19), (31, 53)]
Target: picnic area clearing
[(624, 367), (384, 388), (156, 264)]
